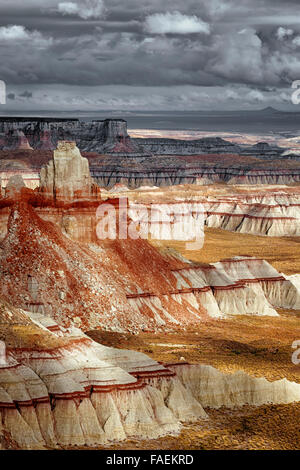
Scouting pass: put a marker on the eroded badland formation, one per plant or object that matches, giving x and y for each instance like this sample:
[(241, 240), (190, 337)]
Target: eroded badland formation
[(125, 340)]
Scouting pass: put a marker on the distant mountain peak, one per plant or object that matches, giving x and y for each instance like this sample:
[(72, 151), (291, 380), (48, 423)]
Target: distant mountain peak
[(269, 109)]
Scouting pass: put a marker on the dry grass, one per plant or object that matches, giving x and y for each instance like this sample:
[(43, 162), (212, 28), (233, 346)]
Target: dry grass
[(261, 346), (282, 252), (261, 428), (29, 336)]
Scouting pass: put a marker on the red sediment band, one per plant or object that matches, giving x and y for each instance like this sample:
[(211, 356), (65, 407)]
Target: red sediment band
[(193, 266), (239, 260), (110, 389), (201, 289), (139, 384), (230, 214), (143, 294), (242, 282), (25, 403), (53, 328), (13, 366), (153, 374), (251, 204), (187, 290), (46, 358), (174, 364), (239, 285), (7, 405), (116, 387), (32, 402), (41, 400), (133, 386), (77, 394), (258, 279), (191, 290), (70, 396)]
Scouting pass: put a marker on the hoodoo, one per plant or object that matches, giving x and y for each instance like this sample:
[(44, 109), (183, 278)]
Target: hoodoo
[(67, 176)]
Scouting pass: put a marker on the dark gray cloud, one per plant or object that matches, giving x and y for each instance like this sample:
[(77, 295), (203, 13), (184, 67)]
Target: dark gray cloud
[(249, 48)]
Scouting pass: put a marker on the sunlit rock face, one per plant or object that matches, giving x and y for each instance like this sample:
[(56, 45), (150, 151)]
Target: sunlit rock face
[(270, 211), (273, 213), (67, 176), (64, 389), (215, 389)]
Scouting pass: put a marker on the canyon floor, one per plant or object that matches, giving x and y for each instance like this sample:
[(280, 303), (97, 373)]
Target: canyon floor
[(260, 346), (273, 427), (282, 252)]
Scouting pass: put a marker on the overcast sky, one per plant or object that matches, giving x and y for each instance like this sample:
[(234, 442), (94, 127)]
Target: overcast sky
[(149, 54)]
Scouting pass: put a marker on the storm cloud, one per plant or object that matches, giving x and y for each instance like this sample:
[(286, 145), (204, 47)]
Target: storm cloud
[(163, 53)]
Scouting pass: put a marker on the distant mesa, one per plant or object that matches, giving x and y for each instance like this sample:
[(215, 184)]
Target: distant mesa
[(108, 136), (262, 146)]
